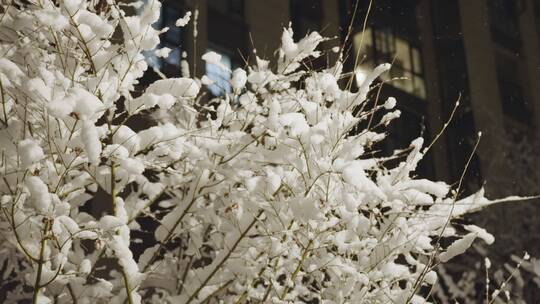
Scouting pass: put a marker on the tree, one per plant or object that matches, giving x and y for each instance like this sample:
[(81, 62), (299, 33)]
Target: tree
[(269, 196), (464, 279)]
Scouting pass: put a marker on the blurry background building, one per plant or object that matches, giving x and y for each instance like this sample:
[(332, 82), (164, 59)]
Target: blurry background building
[(484, 53)]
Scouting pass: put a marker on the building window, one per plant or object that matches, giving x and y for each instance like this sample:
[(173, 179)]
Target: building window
[(537, 14), (228, 7), (504, 22), (227, 29), (220, 75), (376, 46), (513, 102), (306, 16), (173, 37)]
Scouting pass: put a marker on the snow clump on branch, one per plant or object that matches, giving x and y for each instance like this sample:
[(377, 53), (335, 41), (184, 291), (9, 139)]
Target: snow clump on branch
[(269, 196)]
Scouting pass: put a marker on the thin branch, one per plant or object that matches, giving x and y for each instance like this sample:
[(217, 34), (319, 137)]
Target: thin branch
[(225, 258)]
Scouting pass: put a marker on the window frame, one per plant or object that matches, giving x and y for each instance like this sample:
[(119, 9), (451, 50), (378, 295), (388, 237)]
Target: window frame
[(379, 55), (503, 17), (227, 7), (173, 38), (233, 64)]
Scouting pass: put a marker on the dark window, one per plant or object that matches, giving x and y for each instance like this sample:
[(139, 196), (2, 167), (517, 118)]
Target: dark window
[(306, 16), (513, 102), (227, 29), (462, 146), (227, 36), (172, 39), (453, 81), (220, 74), (512, 94), (504, 22), (536, 4), (228, 7)]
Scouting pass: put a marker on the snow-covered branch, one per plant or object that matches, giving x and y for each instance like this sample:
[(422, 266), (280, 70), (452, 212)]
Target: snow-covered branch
[(267, 196)]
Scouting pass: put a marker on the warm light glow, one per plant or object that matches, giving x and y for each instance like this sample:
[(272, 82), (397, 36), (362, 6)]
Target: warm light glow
[(360, 75)]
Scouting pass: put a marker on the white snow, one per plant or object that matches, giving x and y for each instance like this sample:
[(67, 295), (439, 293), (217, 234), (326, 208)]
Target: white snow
[(281, 145), (10, 70), (206, 80), (68, 223), (457, 247), (52, 17), (273, 181), (126, 137), (132, 166), (60, 108), (181, 22), (431, 277), (487, 262), (40, 197), (390, 103), (481, 233), (92, 144), (195, 23), (214, 58), (292, 53), (149, 136), (85, 266), (439, 189), (87, 234), (184, 66), (296, 122), (388, 117), (30, 152), (177, 87), (239, 79), (109, 222), (99, 26), (72, 5), (85, 103), (163, 52)]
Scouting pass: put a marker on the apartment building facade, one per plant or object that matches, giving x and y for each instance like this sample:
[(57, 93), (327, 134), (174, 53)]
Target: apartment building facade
[(483, 53)]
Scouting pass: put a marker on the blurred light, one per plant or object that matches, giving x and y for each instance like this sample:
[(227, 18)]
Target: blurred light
[(360, 76), (220, 75)]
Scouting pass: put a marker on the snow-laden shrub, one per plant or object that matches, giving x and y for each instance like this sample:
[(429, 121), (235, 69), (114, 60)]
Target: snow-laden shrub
[(516, 282), (464, 278), (267, 197)]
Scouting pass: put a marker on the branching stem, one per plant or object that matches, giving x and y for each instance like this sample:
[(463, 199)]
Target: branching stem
[(37, 284), (225, 258)]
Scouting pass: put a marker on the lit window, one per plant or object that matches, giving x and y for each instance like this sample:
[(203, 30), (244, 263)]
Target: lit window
[(174, 57), (376, 46), (152, 59), (171, 39), (220, 75), (363, 55), (363, 45), (384, 42)]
